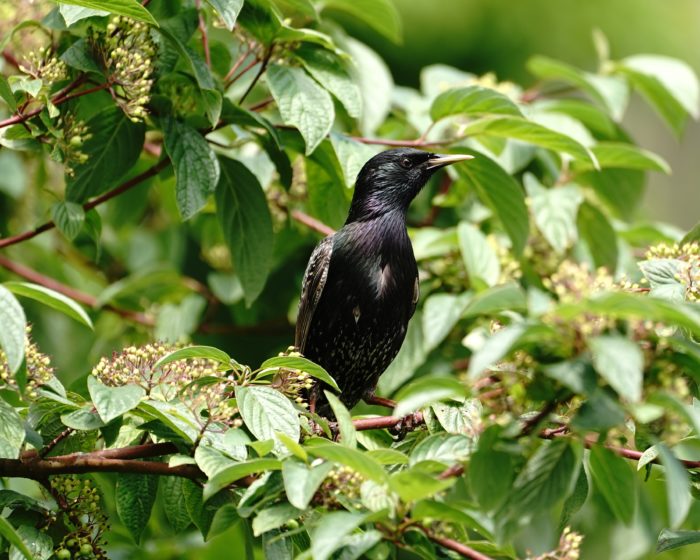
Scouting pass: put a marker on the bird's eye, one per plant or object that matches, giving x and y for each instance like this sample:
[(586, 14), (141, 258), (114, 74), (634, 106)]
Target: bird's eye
[(406, 163)]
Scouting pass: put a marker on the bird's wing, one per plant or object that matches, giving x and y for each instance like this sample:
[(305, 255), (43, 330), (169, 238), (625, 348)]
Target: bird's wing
[(311, 289)]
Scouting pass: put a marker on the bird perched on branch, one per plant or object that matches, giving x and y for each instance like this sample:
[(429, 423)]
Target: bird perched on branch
[(360, 288)]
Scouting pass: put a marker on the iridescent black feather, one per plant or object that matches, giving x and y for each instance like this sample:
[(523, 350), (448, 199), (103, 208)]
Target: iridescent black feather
[(360, 288)]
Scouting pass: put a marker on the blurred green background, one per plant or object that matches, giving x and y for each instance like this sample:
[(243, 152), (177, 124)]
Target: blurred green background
[(500, 35)]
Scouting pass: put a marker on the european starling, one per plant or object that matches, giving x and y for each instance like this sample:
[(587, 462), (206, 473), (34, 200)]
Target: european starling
[(360, 287)]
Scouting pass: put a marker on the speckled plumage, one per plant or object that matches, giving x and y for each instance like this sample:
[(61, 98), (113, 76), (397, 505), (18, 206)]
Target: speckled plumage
[(360, 288)]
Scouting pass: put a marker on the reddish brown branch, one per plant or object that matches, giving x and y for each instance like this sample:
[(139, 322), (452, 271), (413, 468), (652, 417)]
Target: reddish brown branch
[(38, 470), (461, 549), (261, 70), (150, 172), (81, 297), (10, 58), (61, 98), (384, 422), (205, 36), (310, 222)]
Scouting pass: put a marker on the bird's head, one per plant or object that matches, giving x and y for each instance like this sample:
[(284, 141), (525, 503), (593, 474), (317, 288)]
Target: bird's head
[(392, 179)]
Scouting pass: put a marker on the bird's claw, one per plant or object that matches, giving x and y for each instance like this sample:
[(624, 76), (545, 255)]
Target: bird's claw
[(404, 425)]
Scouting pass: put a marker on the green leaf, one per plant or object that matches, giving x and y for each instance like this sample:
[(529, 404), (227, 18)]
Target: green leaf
[(576, 500), (497, 299), (495, 349), (297, 362), (609, 91), (625, 156), (83, 419), (38, 542), (615, 481), (528, 131), (664, 276), (677, 487), (242, 211), (228, 10), (301, 481), (447, 449), (625, 305), (352, 155), (413, 485), (668, 540), (595, 229), (203, 352), (328, 69), (441, 311), (13, 325), (129, 8), (112, 402), (555, 211), (79, 56), (376, 85), (425, 391), (380, 15), (621, 189), (460, 417), (302, 103), (331, 531), (500, 192), (620, 362), (69, 218), (478, 255), (175, 416), (51, 299), (548, 477), (72, 14), (7, 95), (235, 472), (135, 495), (266, 411), (274, 517), (112, 149), (472, 100), (669, 84), (692, 235), (12, 431), (352, 458), (410, 357), (196, 166), (210, 95), (348, 436), (490, 476), (172, 493), (12, 536)]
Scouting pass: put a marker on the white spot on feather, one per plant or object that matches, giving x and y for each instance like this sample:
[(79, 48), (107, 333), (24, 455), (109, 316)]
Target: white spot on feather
[(356, 313)]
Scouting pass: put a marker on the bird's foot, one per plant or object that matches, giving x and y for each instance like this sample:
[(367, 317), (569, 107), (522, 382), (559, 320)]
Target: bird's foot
[(371, 398), (405, 425)]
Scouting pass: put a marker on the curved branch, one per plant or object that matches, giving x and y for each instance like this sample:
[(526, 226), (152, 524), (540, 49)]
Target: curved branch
[(140, 178)]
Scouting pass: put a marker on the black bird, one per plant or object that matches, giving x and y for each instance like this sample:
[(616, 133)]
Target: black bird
[(360, 287)]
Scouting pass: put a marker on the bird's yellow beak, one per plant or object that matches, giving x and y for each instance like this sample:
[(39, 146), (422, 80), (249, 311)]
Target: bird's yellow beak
[(441, 160)]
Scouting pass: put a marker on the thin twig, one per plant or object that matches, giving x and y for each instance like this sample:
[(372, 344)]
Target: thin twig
[(458, 547), (203, 31), (54, 442), (261, 70), (150, 172), (56, 101), (236, 66)]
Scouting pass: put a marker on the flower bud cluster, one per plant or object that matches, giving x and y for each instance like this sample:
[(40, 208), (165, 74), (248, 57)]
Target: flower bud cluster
[(569, 547), (341, 482), (68, 149), (43, 64), (137, 365), (80, 502), (128, 52), (39, 369)]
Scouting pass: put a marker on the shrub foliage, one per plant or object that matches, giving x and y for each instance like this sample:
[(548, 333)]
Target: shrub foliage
[(189, 154)]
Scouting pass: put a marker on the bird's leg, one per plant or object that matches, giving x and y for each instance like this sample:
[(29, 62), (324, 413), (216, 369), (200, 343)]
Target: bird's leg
[(405, 424), (370, 398)]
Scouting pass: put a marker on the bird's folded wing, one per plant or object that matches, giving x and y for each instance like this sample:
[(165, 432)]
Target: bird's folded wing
[(312, 287)]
